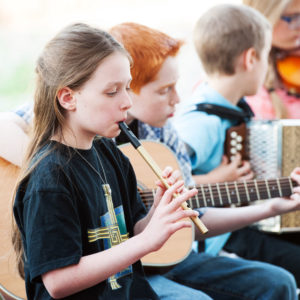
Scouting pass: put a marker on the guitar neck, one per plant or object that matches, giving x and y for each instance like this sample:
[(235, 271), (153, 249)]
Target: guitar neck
[(237, 192)]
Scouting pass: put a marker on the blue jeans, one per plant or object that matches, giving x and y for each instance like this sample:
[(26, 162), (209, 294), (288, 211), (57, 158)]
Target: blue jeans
[(168, 289), (224, 278), (250, 243)]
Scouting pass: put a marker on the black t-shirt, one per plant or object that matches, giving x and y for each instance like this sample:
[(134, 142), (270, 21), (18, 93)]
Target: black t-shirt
[(63, 214)]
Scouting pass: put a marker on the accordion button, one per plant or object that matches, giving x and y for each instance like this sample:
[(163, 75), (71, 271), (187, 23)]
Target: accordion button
[(233, 134), (233, 151)]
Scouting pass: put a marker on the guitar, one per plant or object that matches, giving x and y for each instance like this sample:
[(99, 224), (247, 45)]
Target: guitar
[(179, 245), (12, 285)]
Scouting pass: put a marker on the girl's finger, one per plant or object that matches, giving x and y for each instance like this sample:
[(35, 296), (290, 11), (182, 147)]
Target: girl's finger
[(179, 225), (167, 172), (174, 176), (181, 214), (168, 195), (176, 203), (181, 190)]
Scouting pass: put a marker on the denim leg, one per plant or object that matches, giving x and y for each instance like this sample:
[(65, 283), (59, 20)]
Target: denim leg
[(252, 244), (225, 278), (169, 290)]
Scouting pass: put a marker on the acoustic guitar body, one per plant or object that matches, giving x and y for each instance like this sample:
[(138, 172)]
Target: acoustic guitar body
[(12, 286), (179, 244)]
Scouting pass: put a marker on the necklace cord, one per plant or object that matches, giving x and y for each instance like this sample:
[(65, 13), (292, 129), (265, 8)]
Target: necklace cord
[(92, 167)]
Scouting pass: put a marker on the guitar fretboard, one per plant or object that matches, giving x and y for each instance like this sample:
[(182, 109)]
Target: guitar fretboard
[(237, 192)]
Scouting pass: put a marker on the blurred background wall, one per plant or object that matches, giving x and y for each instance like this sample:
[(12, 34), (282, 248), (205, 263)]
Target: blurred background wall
[(26, 25)]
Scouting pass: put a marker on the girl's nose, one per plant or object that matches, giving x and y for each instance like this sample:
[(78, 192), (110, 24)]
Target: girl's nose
[(127, 102)]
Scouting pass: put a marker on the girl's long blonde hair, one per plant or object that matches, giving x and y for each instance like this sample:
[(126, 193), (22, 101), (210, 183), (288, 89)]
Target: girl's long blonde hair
[(272, 10), (68, 60)]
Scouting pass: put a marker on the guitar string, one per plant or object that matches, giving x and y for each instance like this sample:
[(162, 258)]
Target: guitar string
[(149, 200), (149, 195), (261, 184), (252, 182), (284, 182), (224, 194), (194, 200)]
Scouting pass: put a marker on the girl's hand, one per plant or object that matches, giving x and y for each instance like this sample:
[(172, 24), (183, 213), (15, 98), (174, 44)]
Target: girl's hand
[(168, 215), (171, 177)]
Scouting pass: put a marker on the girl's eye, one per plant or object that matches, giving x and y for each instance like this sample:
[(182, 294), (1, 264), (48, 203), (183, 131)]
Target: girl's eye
[(111, 94), (114, 92)]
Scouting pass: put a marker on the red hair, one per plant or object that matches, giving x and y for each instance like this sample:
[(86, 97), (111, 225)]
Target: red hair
[(149, 48)]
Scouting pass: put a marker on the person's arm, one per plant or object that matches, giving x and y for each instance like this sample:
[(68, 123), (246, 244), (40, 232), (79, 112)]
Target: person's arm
[(151, 233), (13, 137), (94, 268), (221, 220)]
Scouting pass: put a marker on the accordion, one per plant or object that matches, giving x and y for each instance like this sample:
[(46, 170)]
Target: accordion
[(273, 150)]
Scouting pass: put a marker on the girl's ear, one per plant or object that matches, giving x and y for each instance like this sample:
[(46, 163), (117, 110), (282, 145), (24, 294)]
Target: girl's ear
[(66, 98), (249, 59)]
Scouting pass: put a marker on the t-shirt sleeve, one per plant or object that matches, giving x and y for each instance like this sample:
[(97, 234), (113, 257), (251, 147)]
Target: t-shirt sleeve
[(53, 233)]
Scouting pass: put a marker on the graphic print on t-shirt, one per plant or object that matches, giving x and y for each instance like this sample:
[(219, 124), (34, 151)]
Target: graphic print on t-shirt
[(113, 231)]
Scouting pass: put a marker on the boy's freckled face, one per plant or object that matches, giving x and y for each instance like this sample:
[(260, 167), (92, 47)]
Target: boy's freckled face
[(157, 99)]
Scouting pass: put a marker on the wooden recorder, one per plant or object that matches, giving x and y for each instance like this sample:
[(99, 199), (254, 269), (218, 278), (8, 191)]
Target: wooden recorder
[(273, 150)]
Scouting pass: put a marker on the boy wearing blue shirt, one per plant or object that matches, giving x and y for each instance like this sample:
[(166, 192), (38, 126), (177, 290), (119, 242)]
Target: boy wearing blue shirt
[(233, 50)]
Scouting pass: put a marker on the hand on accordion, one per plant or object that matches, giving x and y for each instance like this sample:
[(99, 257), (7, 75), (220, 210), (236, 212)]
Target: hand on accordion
[(237, 169)]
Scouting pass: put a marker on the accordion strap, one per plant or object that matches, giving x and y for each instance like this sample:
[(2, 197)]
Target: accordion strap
[(236, 133), (227, 113)]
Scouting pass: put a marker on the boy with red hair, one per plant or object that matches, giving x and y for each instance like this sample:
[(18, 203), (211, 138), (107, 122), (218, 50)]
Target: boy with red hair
[(154, 96)]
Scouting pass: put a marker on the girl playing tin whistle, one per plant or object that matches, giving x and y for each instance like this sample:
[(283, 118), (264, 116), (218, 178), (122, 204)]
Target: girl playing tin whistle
[(81, 226)]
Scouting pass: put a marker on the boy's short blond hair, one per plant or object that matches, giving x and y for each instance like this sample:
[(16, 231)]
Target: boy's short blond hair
[(224, 32)]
